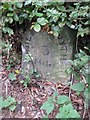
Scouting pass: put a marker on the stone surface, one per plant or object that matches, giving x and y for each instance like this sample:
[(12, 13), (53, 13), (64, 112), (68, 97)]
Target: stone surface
[(50, 55)]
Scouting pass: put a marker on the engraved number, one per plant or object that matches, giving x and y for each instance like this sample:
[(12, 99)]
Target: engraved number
[(46, 51)]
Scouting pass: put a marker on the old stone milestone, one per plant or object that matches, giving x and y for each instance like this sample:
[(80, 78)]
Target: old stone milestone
[(50, 55)]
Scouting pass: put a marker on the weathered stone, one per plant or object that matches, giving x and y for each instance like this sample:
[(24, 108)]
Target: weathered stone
[(50, 55)]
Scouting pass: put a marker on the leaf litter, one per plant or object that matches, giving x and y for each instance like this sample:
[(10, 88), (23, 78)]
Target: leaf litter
[(30, 99)]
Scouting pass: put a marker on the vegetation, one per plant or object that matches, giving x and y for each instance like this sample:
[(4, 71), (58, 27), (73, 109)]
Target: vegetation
[(50, 17)]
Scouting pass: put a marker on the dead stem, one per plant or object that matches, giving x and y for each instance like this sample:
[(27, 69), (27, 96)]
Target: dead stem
[(84, 110), (71, 82)]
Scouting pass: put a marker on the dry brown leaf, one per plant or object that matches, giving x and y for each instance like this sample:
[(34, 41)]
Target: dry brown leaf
[(79, 101)]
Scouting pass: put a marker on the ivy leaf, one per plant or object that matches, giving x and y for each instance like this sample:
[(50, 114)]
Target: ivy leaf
[(19, 4), (48, 106), (82, 31), (28, 2), (37, 27), (10, 14), (42, 21), (61, 24), (63, 99), (10, 20), (16, 18), (79, 87), (84, 58), (39, 14), (8, 30), (61, 8)]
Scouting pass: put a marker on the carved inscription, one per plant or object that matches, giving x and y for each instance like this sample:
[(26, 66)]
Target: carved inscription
[(50, 54), (45, 49), (44, 63)]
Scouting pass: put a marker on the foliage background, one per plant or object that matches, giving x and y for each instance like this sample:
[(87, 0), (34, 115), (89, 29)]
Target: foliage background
[(49, 16)]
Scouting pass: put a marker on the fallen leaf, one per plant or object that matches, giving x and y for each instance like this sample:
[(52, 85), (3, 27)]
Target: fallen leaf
[(17, 71), (79, 101)]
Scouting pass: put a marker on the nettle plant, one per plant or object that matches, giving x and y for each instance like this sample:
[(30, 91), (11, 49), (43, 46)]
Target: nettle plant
[(80, 69), (28, 73), (45, 15), (65, 108), (9, 103)]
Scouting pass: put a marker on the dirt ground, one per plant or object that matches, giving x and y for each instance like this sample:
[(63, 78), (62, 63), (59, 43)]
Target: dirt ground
[(30, 99)]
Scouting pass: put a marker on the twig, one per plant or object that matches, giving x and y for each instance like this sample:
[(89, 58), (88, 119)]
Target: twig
[(77, 45), (71, 82), (84, 110), (89, 113), (6, 85), (83, 78), (8, 54)]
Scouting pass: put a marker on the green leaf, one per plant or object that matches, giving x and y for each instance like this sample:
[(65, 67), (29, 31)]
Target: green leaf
[(67, 111), (79, 87), (8, 30), (39, 14), (45, 117), (63, 99), (56, 34), (61, 24), (48, 106), (69, 107), (42, 21), (61, 115), (12, 76), (73, 114), (12, 107), (16, 18), (55, 94), (6, 103), (19, 4), (87, 75), (10, 14), (11, 99), (10, 20), (28, 2), (87, 92), (82, 31), (37, 27), (84, 58), (64, 111), (61, 8)]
